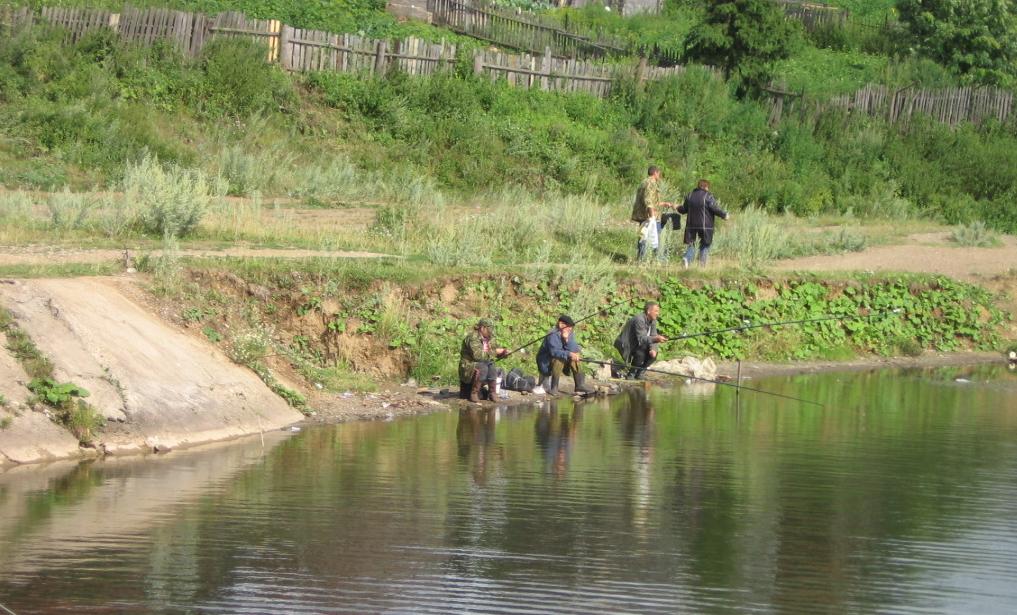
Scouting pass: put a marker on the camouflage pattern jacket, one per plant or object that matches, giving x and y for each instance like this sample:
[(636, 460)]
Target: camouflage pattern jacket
[(473, 352), (647, 203)]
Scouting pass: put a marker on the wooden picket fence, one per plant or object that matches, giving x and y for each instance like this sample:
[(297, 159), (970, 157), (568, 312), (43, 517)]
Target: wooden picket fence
[(310, 50), (522, 31), (948, 105), (814, 15), (546, 72)]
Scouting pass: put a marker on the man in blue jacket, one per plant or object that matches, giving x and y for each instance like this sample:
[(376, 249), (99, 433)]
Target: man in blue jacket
[(559, 354)]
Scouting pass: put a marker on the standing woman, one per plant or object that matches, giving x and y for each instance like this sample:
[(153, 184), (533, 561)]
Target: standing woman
[(700, 209)]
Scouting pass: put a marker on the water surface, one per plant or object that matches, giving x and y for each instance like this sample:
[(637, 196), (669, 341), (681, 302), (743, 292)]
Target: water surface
[(897, 496)]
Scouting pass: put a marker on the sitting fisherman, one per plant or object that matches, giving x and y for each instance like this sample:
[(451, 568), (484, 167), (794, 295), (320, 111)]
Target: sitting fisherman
[(476, 360), (559, 354), (637, 343)]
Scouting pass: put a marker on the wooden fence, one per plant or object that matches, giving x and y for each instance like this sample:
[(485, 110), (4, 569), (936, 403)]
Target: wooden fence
[(189, 32), (309, 50), (814, 15), (949, 105), (523, 31)]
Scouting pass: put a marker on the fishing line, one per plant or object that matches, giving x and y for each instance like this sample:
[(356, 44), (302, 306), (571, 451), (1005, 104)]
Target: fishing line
[(720, 382)]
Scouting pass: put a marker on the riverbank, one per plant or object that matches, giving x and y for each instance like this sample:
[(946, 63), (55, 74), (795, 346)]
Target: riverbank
[(196, 350)]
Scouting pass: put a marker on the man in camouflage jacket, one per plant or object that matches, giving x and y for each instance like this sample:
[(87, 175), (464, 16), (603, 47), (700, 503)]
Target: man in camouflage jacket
[(645, 211), (476, 359)]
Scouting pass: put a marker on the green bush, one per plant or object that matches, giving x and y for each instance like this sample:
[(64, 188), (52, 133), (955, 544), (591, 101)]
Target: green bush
[(170, 200), (238, 81), (974, 235)]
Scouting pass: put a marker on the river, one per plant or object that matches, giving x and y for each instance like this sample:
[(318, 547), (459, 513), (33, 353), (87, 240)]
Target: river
[(897, 496)]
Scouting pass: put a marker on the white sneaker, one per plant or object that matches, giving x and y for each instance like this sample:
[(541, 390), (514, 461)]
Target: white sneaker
[(538, 390), (685, 263)]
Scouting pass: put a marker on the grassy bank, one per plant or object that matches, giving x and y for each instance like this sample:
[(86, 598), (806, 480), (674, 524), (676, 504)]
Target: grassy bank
[(346, 325)]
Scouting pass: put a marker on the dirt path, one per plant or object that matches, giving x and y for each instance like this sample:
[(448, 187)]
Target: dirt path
[(43, 255), (923, 253)]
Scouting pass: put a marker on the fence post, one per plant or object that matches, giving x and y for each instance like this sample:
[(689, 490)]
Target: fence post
[(478, 62), (285, 53), (379, 59), (641, 72), (545, 69), (274, 40)]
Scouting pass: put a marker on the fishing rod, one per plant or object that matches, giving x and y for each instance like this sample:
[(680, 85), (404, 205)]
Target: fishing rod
[(737, 387), (747, 324), (574, 323)]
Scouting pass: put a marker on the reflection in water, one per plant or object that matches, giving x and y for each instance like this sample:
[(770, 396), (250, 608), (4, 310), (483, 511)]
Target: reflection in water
[(636, 418), (475, 436), (556, 433), (897, 496)]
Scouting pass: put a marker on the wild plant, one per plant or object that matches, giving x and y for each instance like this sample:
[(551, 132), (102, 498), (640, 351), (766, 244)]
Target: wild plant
[(171, 200)]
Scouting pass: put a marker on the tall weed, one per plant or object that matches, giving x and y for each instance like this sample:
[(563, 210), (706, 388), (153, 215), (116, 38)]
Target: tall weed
[(171, 200), (975, 235)]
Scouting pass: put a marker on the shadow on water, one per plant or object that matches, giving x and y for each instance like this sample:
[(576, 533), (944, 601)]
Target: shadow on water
[(897, 495)]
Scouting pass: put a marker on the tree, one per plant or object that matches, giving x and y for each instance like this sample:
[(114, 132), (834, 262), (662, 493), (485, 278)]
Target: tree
[(976, 39), (744, 38)]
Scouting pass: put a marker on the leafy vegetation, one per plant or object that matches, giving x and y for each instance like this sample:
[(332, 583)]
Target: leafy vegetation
[(883, 317), (65, 398), (744, 38), (56, 394), (973, 38)]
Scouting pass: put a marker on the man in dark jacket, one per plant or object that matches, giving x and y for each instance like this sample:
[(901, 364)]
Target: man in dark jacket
[(559, 354), (637, 343), (700, 208)]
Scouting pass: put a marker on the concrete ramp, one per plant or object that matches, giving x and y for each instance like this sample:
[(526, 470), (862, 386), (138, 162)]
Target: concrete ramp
[(156, 385), (26, 436)]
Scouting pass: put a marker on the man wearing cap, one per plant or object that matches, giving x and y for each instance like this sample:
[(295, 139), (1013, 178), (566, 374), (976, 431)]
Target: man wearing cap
[(559, 354), (637, 343), (476, 359)]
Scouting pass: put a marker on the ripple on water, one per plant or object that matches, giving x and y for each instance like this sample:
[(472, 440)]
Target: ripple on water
[(895, 497)]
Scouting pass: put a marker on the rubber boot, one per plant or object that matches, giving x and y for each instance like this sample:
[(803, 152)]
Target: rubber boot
[(492, 390), (552, 391), (580, 380), (475, 390)]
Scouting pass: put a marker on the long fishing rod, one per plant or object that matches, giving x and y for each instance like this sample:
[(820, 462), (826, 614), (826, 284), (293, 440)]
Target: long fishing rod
[(574, 323), (720, 382), (747, 325)]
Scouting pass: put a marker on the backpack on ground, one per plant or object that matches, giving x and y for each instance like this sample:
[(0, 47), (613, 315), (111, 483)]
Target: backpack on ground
[(516, 380)]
